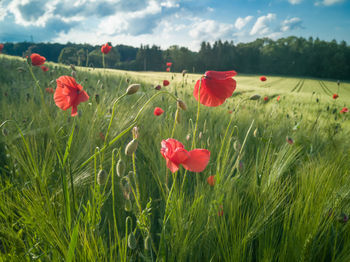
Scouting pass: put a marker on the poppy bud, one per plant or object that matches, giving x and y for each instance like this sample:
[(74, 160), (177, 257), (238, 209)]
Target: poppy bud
[(147, 242), (158, 87), (135, 132), (181, 104), (184, 72), (128, 205), (72, 67), (74, 74), (317, 100), (131, 147), (200, 135), (255, 97), (5, 132), (188, 137), (255, 134), (343, 218), (102, 177), (211, 180), (289, 140), (120, 168), (132, 241), (132, 89), (97, 98), (127, 80), (237, 146)]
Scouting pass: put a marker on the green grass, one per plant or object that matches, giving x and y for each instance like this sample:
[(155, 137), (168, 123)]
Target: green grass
[(279, 202)]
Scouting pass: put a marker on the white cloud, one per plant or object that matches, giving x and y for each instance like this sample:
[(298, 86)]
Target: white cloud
[(210, 9), (328, 2), (261, 25), (210, 29), (295, 2), (242, 22), (170, 4), (290, 24)]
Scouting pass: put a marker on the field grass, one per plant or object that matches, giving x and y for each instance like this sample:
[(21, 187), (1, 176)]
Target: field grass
[(272, 200)]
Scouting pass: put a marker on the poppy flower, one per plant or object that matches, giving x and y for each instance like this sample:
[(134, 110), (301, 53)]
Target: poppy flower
[(106, 48), (266, 98), (263, 78), (344, 110), (278, 98), (49, 90), (166, 82), (169, 64), (37, 60), (211, 180), (215, 87), (158, 111), (102, 136), (1, 47), (44, 68), (69, 94), (335, 96), (221, 211), (168, 69), (175, 154), (158, 87)]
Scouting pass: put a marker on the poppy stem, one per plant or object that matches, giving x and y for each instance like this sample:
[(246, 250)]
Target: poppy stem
[(197, 119), (103, 61)]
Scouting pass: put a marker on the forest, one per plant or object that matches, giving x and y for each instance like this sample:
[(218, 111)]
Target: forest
[(290, 56)]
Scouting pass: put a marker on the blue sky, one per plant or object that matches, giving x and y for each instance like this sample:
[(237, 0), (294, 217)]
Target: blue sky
[(168, 22)]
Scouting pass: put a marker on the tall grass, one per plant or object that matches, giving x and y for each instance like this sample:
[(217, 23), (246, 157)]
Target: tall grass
[(272, 201)]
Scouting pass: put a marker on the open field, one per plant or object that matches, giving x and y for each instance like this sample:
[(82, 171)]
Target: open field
[(274, 199)]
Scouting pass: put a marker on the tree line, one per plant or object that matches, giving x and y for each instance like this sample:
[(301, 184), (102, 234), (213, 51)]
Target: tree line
[(290, 56)]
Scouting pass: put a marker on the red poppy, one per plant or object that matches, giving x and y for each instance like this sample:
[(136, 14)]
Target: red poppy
[(44, 68), (266, 98), (289, 140), (278, 98), (175, 154), (49, 90), (166, 82), (335, 96), (1, 47), (263, 78), (344, 110), (211, 180), (215, 87), (169, 64), (37, 60), (102, 136), (158, 111), (69, 94), (168, 69), (106, 48), (221, 211)]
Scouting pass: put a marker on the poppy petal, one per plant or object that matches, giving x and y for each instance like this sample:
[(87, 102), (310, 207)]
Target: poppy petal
[(172, 166), (74, 110), (206, 96), (82, 97), (179, 156), (197, 161), (61, 100), (221, 88), (220, 75)]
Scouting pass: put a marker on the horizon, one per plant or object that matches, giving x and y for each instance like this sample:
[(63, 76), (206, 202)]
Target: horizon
[(165, 23)]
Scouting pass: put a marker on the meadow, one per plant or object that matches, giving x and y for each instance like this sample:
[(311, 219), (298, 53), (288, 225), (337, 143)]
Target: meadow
[(280, 189)]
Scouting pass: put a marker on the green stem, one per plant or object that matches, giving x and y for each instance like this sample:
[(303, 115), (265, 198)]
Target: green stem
[(166, 214), (198, 109), (103, 60)]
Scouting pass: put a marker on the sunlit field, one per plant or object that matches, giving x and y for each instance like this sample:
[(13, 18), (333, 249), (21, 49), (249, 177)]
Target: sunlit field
[(96, 186)]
